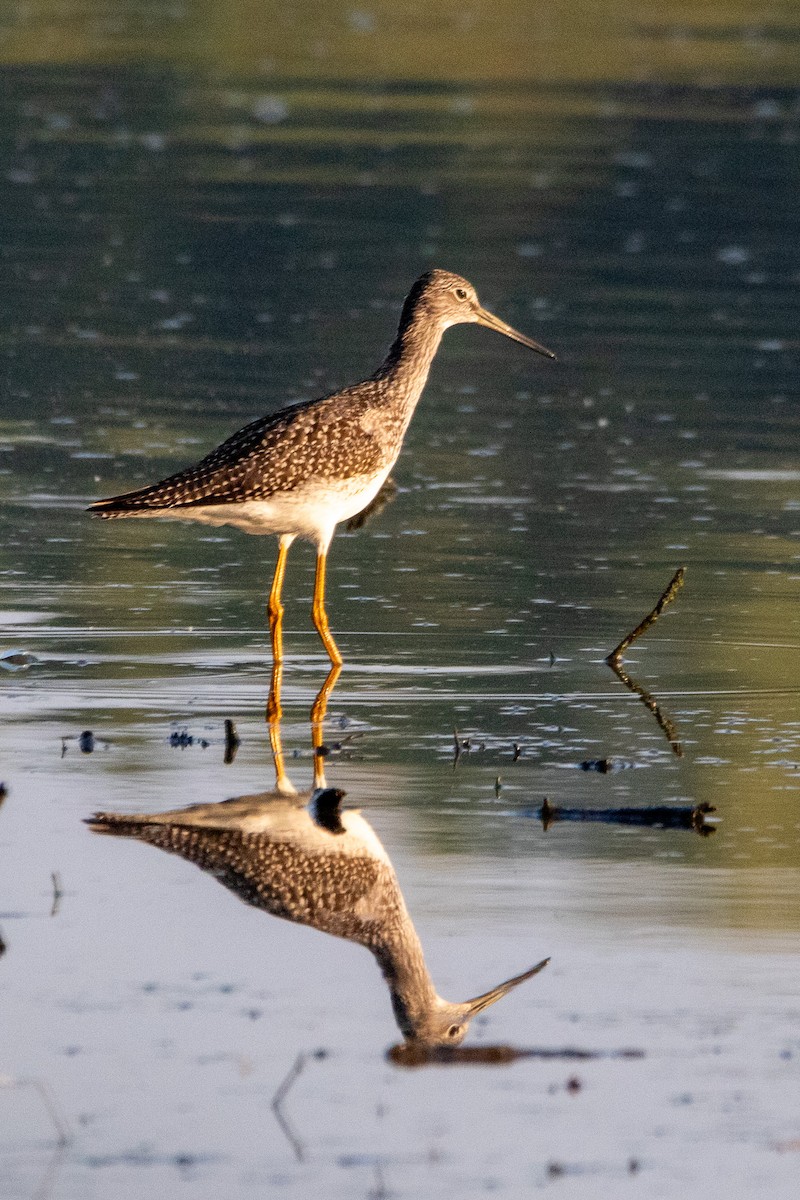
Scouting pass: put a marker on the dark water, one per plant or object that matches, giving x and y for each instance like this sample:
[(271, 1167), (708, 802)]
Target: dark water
[(208, 212)]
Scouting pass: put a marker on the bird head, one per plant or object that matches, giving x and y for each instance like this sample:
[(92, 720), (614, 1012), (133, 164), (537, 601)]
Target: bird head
[(450, 300)]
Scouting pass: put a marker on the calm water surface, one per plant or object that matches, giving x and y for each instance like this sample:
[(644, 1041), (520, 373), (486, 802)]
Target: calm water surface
[(206, 215)]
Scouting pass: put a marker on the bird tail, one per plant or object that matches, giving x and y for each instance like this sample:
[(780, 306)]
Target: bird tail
[(120, 823), (143, 500)]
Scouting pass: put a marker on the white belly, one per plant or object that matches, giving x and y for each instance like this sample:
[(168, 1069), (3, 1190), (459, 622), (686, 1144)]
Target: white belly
[(311, 511)]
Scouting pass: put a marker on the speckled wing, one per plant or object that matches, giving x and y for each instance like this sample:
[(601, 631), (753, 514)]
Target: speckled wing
[(320, 440)]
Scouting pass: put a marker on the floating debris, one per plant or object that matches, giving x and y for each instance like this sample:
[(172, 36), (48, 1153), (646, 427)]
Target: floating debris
[(18, 660), (182, 738), (659, 816), (87, 742), (232, 741), (58, 892), (604, 766)]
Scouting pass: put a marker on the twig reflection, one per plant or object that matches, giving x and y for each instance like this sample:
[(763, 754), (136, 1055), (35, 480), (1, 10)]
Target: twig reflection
[(665, 722), (284, 1087)]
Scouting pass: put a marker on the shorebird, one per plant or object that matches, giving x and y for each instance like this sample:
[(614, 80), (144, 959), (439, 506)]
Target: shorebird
[(301, 471), (323, 866)]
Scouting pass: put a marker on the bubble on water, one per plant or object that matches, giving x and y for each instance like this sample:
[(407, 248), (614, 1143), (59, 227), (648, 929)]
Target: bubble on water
[(270, 110), (361, 21), (733, 256), (179, 321), (765, 110), (638, 160)]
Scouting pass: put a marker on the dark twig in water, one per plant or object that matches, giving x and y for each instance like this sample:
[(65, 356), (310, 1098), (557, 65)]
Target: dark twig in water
[(232, 742), (282, 1092), (411, 1054), (666, 724), (666, 597), (57, 892), (660, 816)]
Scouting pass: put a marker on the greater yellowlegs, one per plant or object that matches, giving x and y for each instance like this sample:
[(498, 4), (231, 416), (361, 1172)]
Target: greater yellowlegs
[(300, 471), (323, 866)]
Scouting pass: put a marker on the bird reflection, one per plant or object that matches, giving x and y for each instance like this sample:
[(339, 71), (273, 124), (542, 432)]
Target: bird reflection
[(307, 859)]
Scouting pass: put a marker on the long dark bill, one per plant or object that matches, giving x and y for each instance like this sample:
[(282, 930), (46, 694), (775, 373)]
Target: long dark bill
[(484, 317)]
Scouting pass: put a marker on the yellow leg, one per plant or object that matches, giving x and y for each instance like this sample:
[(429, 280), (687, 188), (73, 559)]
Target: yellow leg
[(319, 615), (274, 607)]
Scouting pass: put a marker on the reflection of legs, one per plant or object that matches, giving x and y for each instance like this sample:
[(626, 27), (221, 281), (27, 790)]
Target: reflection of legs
[(318, 613), (318, 710), (275, 608), (274, 714)]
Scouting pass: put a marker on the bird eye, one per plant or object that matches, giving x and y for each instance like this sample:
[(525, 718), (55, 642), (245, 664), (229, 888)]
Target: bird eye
[(454, 1031), (460, 293)]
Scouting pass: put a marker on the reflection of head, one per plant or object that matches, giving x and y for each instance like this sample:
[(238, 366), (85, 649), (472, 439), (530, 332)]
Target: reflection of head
[(320, 866)]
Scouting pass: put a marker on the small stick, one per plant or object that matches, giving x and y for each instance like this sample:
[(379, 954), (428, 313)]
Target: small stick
[(57, 892), (232, 741), (666, 597)]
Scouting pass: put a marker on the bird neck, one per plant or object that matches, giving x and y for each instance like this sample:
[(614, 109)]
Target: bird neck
[(410, 985), (410, 355)]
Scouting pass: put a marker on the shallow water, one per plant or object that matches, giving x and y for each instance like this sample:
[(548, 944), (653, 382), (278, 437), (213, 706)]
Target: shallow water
[(205, 218)]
